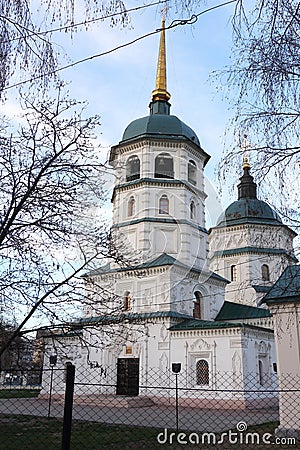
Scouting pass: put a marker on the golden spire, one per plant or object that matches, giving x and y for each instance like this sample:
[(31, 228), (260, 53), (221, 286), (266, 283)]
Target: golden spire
[(244, 147), (160, 92)]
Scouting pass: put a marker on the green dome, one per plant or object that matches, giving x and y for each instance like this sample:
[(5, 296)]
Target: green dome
[(249, 210), (159, 125)]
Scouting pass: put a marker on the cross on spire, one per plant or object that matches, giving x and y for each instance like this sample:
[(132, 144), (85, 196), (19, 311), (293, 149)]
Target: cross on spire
[(245, 146), (164, 10)]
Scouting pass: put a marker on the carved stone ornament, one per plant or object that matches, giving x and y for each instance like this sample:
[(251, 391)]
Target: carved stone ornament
[(200, 344)]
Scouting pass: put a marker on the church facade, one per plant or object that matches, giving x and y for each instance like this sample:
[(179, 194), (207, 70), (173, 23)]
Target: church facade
[(184, 294)]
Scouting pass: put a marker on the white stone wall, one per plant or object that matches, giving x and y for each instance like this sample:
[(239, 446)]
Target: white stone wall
[(287, 333), (233, 356), (165, 288)]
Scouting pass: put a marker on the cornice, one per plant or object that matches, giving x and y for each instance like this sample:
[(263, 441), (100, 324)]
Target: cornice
[(242, 331), (117, 274), (161, 142), (249, 250), (167, 183), (224, 229), (159, 220)]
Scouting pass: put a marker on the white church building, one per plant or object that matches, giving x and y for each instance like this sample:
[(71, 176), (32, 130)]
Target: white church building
[(188, 295)]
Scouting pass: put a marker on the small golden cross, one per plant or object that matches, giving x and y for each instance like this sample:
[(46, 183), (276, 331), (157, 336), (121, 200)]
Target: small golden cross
[(164, 10), (244, 147)]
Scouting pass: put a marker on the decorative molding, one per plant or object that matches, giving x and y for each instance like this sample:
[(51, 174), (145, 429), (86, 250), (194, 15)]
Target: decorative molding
[(236, 363), (250, 226), (239, 330), (263, 348), (159, 220), (241, 343), (133, 273), (161, 182), (164, 332), (160, 142), (200, 345)]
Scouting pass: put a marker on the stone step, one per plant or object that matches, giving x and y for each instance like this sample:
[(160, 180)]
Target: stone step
[(117, 401)]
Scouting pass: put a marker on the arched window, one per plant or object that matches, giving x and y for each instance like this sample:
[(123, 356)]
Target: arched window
[(163, 205), (192, 172), (197, 305), (265, 273), (132, 168), (202, 372), (127, 300), (164, 166), (192, 210), (233, 273), (131, 207)]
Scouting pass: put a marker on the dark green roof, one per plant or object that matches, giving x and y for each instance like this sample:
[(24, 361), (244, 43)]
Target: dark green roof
[(162, 260), (260, 288), (249, 210), (286, 288), (198, 324), (51, 332), (191, 324), (131, 317), (237, 311), (165, 259), (159, 125)]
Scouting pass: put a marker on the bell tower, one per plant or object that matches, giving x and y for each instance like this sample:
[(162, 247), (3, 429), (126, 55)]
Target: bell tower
[(158, 198)]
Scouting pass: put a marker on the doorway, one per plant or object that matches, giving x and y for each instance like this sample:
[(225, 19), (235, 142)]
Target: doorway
[(128, 376)]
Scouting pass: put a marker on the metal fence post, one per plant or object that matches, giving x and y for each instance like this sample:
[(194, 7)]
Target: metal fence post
[(176, 368), (67, 423), (53, 361), (176, 406), (50, 393)]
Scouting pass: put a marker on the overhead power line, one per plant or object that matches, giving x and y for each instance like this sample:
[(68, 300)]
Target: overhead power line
[(174, 24), (76, 24)]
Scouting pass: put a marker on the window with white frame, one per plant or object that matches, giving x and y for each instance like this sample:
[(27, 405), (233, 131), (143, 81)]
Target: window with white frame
[(163, 205), (233, 273), (131, 207), (192, 172), (127, 301), (265, 272), (198, 305), (192, 210)]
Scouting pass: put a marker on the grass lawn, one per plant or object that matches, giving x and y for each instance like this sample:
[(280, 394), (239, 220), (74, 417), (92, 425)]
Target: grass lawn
[(35, 433), (19, 393)]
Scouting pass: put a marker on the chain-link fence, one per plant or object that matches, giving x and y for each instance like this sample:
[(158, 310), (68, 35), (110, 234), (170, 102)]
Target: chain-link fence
[(117, 409)]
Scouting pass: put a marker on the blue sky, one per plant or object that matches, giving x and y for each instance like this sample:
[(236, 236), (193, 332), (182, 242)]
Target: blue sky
[(118, 86)]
